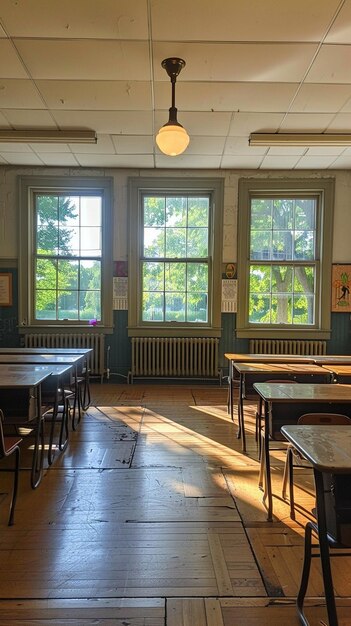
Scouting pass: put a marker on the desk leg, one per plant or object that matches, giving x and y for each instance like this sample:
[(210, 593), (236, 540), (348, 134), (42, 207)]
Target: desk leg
[(324, 550), (39, 445), (241, 424), (267, 465), (230, 391)]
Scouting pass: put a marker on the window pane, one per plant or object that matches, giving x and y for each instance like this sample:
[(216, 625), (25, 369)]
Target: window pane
[(198, 212), (67, 305), (90, 275), (197, 242), (175, 307), (261, 245), (197, 277), (175, 277), (260, 309), (261, 214), (47, 209), (46, 274), (304, 245), (90, 241), (154, 242), (175, 243), (197, 307), (90, 211), (283, 214), (47, 239), (304, 279), (303, 309), (154, 211), (69, 241), (153, 307), (260, 278), (89, 305), (176, 209), (305, 214), (153, 276), (67, 274), (281, 309), (282, 245), (282, 279), (69, 210), (45, 304)]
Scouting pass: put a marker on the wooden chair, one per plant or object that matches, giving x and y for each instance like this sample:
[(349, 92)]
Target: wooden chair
[(294, 459), (8, 446)]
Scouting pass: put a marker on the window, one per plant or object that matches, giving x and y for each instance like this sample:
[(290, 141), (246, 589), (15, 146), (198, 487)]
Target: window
[(174, 257), (65, 251), (284, 258)]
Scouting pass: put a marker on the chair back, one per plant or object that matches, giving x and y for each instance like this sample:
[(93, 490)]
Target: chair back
[(336, 419)]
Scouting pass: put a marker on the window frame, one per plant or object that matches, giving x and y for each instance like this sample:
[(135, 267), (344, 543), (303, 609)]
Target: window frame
[(323, 190), (138, 187), (29, 187)]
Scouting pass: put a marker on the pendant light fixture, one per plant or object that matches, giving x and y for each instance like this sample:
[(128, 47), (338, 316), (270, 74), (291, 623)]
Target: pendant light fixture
[(172, 139)]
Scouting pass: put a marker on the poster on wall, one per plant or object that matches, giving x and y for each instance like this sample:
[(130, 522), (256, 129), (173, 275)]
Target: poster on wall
[(341, 288), (5, 289)]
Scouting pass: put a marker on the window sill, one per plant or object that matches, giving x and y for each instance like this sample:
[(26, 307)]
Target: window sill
[(65, 328), (279, 333), (159, 331)]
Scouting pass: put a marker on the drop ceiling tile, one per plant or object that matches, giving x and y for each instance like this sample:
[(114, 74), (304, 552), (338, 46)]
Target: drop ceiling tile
[(10, 64), (325, 151), (219, 96), (283, 151), (63, 159), (206, 146), (187, 161), (240, 146), (4, 121), (96, 95), (252, 20), (19, 94), (130, 144), (315, 162), (18, 158), (321, 98), (14, 147), (244, 123), (85, 59), (341, 123), (125, 19), (29, 118), (115, 160), (214, 124), (332, 65), (43, 148), (3, 158), (341, 163), (107, 122), (248, 62), (237, 162), (104, 145), (306, 122), (340, 31), (279, 162)]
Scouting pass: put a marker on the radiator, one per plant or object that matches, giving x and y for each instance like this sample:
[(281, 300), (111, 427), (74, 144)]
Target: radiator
[(175, 357), (287, 346), (73, 340)]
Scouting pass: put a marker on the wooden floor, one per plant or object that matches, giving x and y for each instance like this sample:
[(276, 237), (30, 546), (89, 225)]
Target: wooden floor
[(153, 517)]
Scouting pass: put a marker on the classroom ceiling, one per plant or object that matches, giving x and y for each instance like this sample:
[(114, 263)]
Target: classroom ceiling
[(251, 66)]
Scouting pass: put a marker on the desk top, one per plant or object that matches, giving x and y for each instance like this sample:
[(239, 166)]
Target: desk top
[(41, 359), (17, 380), (308, 392), (327, 447), (338, 369), (279, 368), (269, 358), (52, 351), (54, 370)]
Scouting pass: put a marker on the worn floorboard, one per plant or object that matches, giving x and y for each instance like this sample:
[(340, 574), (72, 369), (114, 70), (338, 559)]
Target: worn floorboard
[(153, 517)]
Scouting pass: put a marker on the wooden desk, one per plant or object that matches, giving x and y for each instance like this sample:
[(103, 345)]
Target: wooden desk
[(328, 449), (285, 403), (250, 373), (29, 380), (234, 357), (340, 373)]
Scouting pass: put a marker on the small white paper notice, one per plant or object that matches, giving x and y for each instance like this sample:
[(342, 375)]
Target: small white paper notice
[(120, 293), (229, 295)]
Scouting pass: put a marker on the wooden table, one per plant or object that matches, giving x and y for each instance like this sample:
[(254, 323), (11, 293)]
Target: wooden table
[(328, 449), (31, 381), (254, 372), (86, 352), (235, 357), (285, 403)]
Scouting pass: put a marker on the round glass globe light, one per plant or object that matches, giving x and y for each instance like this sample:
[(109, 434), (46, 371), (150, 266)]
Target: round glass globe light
[(172, 140)]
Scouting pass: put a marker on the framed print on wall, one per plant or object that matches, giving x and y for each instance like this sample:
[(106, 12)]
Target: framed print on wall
[(5, 289), (341, 288)]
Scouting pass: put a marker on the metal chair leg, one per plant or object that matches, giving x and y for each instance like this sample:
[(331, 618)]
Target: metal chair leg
[(305, 574), (15, 488)]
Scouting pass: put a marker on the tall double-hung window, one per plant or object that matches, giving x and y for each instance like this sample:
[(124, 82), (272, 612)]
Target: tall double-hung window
[(284, 257), (174, 256), (65, 254)]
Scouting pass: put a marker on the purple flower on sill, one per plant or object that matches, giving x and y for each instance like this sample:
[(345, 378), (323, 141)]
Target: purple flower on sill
[(92, 322)]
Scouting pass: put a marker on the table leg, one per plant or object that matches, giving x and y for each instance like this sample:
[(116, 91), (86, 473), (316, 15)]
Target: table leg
[(267, 465), (324, 550), (39, 446)]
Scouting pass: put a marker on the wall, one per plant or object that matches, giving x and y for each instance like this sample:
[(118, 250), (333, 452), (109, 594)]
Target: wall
[(119, 343)]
